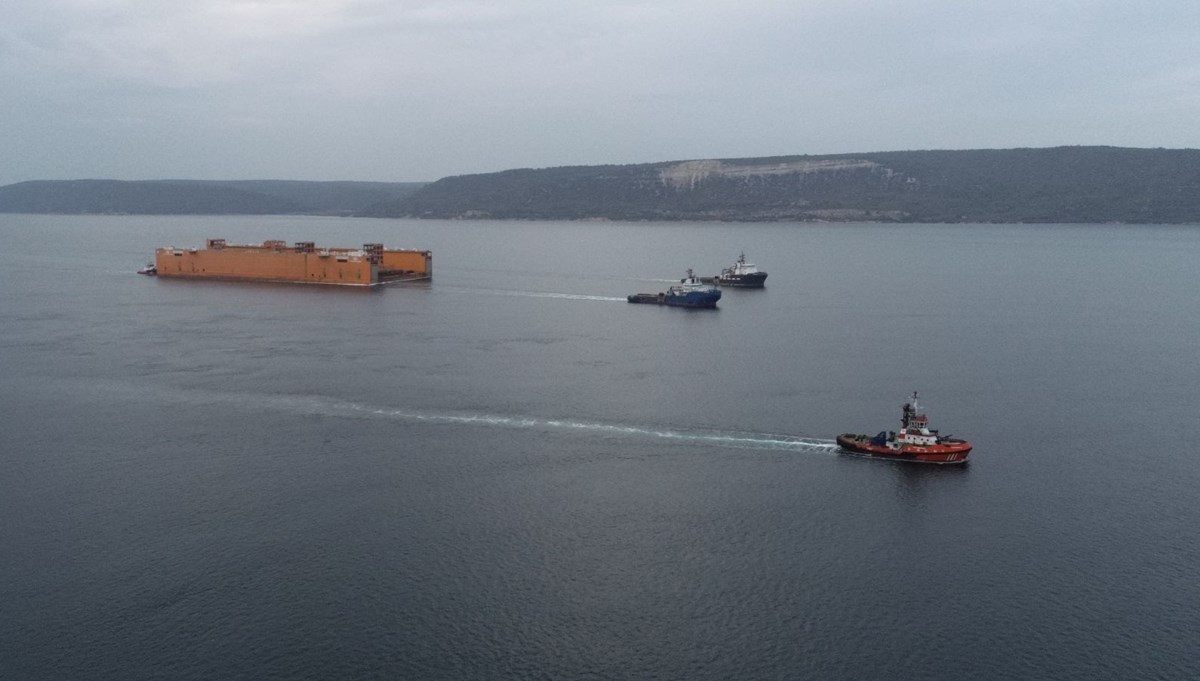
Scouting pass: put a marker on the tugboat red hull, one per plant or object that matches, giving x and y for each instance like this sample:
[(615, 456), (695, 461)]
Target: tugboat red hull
[(945, 452)]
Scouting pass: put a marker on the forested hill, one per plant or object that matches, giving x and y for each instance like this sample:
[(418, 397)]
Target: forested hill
[(199, 197), (1061, 184)]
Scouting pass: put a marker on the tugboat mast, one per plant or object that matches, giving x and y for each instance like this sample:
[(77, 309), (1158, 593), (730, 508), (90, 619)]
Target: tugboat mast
[(910, 411)]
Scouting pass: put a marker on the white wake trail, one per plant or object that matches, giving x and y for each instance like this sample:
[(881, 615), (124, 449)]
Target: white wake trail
[(319, 405)]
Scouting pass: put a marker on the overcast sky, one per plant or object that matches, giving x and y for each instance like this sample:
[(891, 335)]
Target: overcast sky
[(406, 90)]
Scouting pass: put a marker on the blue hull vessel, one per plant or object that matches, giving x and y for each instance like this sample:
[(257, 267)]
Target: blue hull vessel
[(689, 292), (692, 299)]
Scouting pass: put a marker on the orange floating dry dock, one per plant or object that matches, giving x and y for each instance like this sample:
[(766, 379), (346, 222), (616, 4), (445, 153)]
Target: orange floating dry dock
[(301, 263)]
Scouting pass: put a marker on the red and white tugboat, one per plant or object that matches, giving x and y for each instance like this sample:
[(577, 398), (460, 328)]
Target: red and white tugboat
[(914, 442)]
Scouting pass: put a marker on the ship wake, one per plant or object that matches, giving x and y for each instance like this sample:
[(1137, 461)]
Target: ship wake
[(735, 439), (316, 405), (535, 294)]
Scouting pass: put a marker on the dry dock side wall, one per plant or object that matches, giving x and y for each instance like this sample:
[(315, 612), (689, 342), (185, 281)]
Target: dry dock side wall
[(262, 265), (302, 263), (420, 262)]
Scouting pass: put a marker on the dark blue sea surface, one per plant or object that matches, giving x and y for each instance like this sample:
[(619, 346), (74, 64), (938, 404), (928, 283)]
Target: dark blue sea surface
[(509, 472)]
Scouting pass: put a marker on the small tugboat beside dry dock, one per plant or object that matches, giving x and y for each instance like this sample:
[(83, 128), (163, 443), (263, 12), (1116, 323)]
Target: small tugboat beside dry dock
[(914, 442)]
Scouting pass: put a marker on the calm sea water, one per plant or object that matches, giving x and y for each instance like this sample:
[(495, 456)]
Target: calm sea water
[(511, 473)]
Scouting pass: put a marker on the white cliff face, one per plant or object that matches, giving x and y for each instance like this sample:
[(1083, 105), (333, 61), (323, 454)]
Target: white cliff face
[(688, 174)]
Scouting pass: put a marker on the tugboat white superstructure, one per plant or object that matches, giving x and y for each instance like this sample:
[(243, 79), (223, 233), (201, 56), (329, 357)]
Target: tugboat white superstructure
[(915, 441)]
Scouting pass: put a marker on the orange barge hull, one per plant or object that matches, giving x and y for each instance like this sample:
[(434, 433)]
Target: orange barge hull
[(301, 263), (942, 453)]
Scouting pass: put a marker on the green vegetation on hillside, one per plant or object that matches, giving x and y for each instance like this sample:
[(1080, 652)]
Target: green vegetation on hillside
[(198, 197), (1063, 184)]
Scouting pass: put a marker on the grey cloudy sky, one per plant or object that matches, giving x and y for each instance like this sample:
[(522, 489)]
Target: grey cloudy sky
[(416, 90)]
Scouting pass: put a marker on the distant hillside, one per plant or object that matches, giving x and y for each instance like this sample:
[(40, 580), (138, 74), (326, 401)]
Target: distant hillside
[(1062, 184), (199, 197)]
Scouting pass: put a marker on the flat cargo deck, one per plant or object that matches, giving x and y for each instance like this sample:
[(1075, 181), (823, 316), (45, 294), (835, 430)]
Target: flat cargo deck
[(648, 298)]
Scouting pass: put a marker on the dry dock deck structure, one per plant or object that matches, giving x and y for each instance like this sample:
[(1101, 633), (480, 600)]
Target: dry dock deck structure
[(301, 263)]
